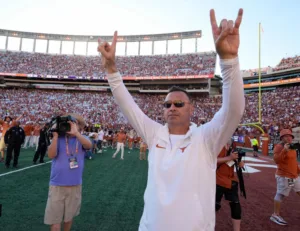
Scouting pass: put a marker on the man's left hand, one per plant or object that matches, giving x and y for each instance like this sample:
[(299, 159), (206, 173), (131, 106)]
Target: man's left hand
[(241, 164), (226, 36)]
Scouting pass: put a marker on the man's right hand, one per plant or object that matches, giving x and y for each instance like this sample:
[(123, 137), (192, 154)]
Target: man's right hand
[(234, 156), (287, 146), (108, 54), (55, 134)]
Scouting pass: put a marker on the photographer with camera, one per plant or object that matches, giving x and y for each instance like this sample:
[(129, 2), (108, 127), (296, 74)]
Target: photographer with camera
[(227, 183), (287, 174), (67, 150)]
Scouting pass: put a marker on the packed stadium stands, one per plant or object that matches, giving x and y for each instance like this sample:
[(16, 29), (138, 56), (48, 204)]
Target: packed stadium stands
[(279, 107), (288, 63), (157, 65)]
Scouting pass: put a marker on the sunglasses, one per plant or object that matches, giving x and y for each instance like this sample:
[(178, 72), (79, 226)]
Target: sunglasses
[(177, 103)]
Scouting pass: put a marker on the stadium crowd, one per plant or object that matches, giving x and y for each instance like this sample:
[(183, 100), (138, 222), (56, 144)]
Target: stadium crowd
[(279, 107), (288, 63), (66, 65)]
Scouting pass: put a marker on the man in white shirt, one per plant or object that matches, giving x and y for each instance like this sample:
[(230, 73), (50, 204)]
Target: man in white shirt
[(181, 186), (100, 140)]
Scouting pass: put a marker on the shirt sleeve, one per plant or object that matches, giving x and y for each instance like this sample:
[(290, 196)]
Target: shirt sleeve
[(221, 128), (144, 126)]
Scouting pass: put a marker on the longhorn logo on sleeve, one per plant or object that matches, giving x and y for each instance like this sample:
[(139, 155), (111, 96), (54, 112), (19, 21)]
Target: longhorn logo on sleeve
[(160, 146)]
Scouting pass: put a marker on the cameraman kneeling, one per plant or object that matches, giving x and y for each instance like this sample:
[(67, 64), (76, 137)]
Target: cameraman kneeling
[(67, 151), (227, 184)]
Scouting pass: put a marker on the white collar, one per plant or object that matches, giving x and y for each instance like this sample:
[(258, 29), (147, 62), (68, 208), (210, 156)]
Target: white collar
[(164, 134)]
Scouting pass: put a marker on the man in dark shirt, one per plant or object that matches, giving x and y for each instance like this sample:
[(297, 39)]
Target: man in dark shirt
[(14, 138), (42, 146)]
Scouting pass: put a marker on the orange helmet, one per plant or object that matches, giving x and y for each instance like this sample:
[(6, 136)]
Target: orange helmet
[(284, 132)]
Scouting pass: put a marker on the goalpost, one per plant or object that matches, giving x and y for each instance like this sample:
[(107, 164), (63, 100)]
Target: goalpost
[(258, 124), (264, 137)]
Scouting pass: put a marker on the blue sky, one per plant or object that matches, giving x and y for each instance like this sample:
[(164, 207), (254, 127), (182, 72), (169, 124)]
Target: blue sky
[(279, 21)]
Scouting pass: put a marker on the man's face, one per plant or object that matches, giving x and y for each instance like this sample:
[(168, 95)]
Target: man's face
[(178, 115), (287, 139), (7, 119)]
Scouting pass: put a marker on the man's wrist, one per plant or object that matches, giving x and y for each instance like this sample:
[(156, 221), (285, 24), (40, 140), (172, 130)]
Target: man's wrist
[(227, 57), (112, 69), (77, 134)]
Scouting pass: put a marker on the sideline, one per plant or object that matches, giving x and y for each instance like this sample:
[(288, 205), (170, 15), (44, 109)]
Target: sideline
[(22, 169)]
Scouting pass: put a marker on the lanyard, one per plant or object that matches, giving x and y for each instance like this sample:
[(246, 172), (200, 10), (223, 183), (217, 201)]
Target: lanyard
[(67, 146)]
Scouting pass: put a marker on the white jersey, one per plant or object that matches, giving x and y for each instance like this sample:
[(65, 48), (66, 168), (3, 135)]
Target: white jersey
[(181, 185), (100, 135)]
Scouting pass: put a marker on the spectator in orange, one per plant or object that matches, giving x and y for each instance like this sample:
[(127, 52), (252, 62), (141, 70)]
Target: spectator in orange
[(143, 149), (287, 174), (28, 128), (36, 134), (121, 138)]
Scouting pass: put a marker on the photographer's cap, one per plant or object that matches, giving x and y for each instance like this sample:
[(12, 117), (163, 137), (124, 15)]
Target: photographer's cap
[(285, 132)]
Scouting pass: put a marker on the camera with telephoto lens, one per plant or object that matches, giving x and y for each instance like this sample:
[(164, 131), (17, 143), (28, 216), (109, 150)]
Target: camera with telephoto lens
[(293, 146), (241, 154), (60, 124)]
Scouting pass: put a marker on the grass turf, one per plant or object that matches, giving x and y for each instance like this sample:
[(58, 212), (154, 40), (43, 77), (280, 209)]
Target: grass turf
[(112, 194)]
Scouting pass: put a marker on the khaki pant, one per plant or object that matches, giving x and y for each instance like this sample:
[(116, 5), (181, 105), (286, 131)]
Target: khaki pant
[(143, 149), (283, 187), (2, 144), (63, 204)]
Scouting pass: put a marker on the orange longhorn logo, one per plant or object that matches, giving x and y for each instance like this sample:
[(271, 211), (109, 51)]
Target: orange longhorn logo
[(182, 149)]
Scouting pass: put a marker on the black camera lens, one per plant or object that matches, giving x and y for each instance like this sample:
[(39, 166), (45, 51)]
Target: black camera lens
[(64, 127)]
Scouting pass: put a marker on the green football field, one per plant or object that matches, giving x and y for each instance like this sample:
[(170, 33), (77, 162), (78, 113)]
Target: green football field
[(112, 193)]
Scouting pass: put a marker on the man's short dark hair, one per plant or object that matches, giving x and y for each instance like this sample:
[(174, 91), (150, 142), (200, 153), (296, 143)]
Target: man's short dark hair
[(176, 88)]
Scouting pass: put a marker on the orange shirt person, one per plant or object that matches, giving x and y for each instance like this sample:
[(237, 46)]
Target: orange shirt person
[(121, 138), (28, 128), (143, 150), (287, 173)]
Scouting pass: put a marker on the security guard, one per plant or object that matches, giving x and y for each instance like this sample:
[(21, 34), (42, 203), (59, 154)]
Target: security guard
[(14, 138), (254, 143)]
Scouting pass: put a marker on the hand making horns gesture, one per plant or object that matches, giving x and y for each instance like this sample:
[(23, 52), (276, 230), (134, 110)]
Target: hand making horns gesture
[(108, 54), (226, 36)]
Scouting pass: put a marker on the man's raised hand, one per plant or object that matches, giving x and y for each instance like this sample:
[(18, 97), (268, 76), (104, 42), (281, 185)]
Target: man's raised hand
[(108, 54), (226, 36)]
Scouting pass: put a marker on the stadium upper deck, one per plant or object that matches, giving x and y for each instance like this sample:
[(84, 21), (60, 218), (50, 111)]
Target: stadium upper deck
[(149, 73)]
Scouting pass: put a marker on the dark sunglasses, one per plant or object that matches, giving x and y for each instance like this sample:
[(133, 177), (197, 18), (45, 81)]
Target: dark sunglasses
[(177, 103)]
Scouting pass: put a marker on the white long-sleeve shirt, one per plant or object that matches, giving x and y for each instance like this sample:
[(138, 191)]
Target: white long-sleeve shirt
[(180, 192)]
